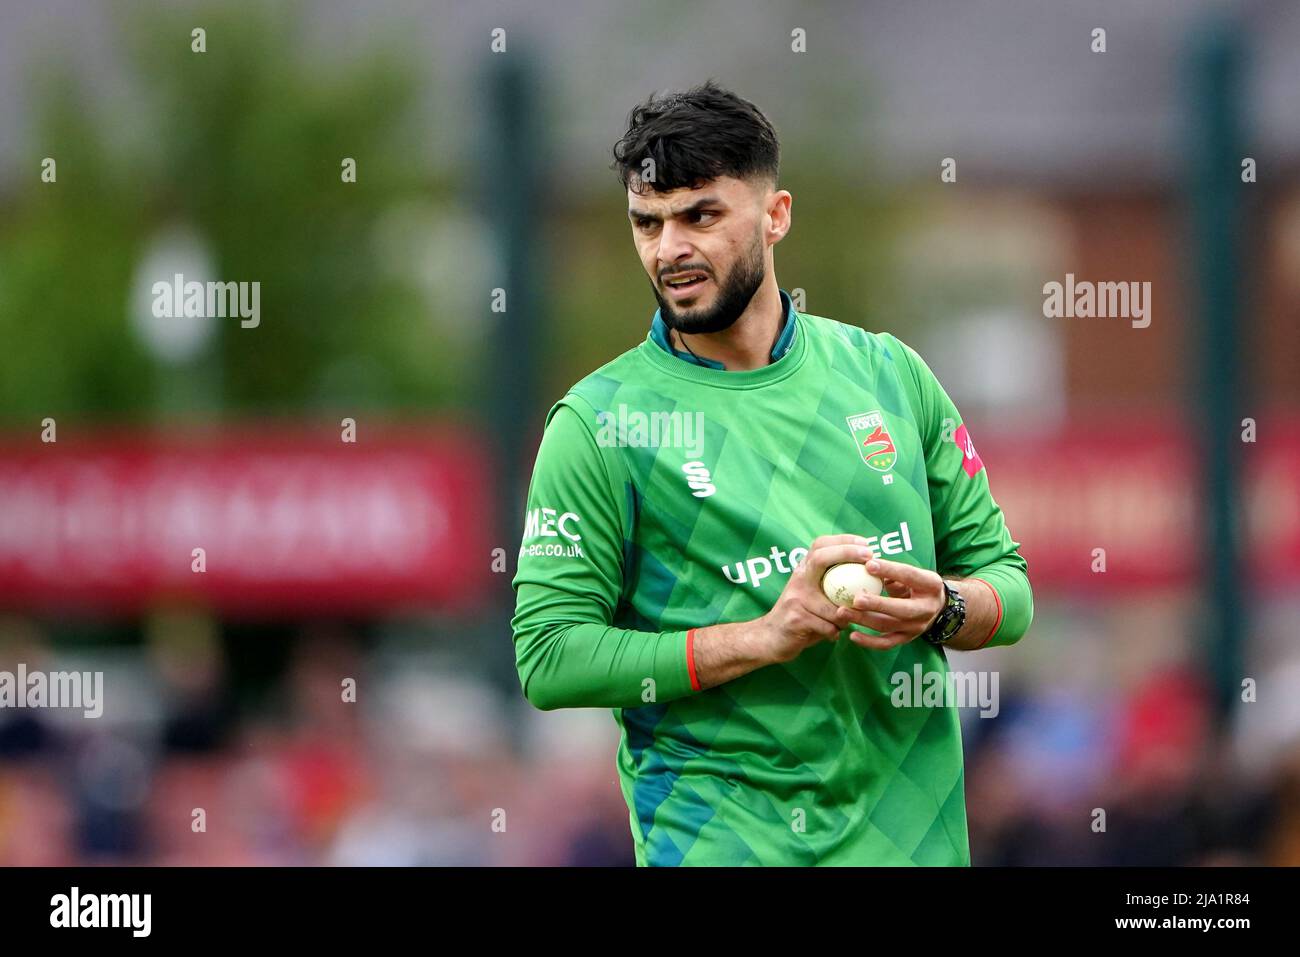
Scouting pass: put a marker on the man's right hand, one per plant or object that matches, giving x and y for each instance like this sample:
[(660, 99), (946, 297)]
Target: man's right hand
[(803, 615)]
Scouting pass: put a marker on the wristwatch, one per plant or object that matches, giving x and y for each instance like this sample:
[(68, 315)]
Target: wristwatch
[(951, 617)]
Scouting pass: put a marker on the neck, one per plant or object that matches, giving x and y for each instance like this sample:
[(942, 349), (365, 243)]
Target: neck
[(747, 343)]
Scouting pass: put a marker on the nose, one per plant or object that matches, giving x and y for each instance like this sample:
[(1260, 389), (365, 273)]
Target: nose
[(674, 246)]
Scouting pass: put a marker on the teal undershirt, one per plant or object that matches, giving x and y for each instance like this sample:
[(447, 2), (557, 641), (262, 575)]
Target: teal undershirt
[(659, 335)]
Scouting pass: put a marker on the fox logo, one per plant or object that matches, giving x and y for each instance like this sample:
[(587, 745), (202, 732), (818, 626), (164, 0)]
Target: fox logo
[(699, 480), (878, 437), (874, 442)]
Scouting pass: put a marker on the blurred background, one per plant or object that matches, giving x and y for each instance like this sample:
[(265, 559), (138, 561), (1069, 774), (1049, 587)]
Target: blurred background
[(338, 686)]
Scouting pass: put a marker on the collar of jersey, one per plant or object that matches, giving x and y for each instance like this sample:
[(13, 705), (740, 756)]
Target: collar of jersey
[(787, 352)]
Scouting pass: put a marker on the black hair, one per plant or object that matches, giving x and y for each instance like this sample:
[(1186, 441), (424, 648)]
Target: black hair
[(693, 137)]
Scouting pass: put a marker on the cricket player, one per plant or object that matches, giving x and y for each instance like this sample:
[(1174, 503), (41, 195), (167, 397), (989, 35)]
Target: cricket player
[(689, 495)]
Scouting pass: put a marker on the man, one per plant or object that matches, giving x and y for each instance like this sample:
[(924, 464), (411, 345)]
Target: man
[(680, 586)]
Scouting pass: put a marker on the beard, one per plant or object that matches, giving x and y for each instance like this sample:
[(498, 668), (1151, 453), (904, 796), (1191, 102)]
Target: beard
[(732, 299)]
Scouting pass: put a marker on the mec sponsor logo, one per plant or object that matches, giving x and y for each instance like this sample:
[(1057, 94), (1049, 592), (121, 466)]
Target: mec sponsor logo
[(543, 524)]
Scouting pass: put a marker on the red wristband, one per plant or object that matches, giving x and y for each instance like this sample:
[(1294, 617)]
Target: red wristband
[(997, 600), (690, 660)]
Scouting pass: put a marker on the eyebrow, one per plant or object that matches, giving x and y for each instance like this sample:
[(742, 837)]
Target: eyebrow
[(635, 212)]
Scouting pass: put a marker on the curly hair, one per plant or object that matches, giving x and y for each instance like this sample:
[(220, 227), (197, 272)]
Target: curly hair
[(695, 136)]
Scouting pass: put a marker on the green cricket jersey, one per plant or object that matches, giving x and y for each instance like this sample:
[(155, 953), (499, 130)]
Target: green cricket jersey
[(669, 495)]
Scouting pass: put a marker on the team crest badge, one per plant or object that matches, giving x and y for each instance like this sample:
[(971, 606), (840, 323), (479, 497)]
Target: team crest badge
[(873, 440)]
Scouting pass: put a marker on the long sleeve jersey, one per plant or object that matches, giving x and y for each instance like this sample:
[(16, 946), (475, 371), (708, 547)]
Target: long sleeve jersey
[(669, 495)]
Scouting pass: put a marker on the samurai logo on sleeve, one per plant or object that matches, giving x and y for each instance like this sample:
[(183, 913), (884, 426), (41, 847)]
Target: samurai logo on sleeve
[(970, 459)]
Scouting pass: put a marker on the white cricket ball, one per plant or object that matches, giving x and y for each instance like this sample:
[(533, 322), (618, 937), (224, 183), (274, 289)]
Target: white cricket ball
[(844, 582)]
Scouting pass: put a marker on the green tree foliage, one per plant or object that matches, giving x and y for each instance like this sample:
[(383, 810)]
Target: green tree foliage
[(243, 144)]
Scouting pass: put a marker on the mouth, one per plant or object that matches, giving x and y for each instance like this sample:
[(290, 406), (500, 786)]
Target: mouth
[(684, 285)]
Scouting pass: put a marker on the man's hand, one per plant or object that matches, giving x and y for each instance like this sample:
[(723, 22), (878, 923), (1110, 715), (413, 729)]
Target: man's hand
[(803, 615), (915, 598)]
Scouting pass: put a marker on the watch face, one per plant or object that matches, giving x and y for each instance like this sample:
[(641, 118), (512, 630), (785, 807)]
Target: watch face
[(950, 619), (957, 611), (952, 626)]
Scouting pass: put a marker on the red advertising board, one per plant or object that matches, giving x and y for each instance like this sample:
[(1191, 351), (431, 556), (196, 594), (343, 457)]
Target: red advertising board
[(292, 522), (288, 522), (1135, 491)]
